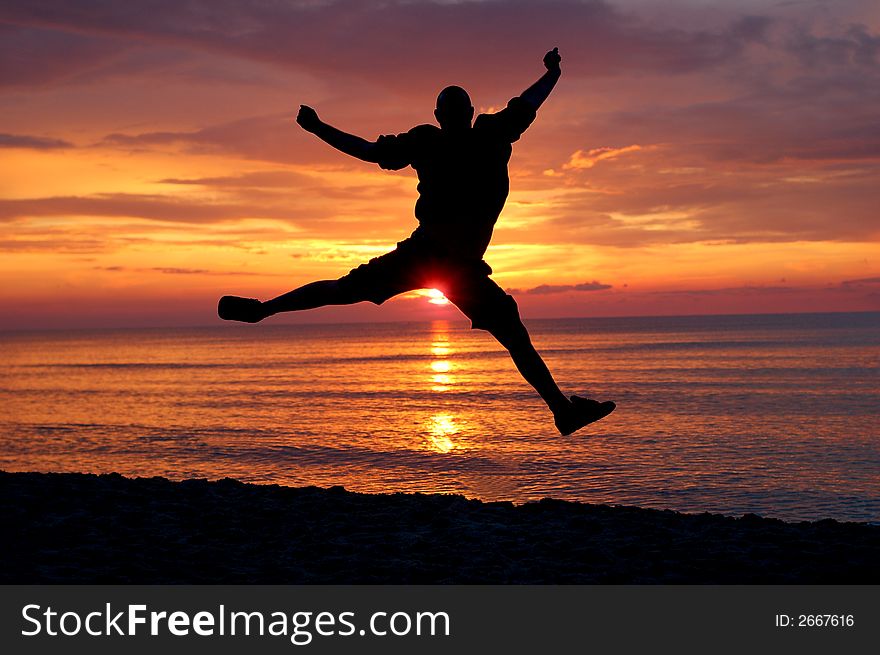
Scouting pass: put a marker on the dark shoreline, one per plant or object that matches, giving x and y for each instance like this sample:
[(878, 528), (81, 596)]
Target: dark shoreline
[(83, 528)]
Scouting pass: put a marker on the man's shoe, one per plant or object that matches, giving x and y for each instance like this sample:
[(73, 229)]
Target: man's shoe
[(246, 310), (582, 411)]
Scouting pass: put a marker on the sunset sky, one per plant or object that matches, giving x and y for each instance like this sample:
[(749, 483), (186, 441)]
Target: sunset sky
[(697, 156)]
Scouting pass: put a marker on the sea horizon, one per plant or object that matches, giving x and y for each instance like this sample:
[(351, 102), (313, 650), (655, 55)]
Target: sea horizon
[(304, 321)]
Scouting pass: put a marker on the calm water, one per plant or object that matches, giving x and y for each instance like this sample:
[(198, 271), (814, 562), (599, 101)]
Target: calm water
[(777, 415)]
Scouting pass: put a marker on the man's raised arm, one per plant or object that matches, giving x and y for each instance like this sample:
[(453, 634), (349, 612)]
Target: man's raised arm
[(347, 143), (536, 94)]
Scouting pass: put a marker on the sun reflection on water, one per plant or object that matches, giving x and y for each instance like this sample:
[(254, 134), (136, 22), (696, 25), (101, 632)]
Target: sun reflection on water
[(440, 349), (442, 427), (441, 366)]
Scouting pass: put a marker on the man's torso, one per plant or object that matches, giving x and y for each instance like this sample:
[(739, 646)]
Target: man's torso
[(463, 179), (463, 184)]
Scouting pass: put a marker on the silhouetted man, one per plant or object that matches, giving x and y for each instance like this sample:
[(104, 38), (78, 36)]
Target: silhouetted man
[(463, 183)]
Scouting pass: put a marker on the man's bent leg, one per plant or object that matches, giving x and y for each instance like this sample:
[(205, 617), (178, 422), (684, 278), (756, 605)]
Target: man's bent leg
[(530, 364), (489, 308), (493, 310), (568, 415)]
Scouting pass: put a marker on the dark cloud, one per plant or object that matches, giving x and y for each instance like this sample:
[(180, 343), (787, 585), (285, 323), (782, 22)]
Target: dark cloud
[(179, 271), (77, 235), (57, 244), (175, 270), (31, 55), (809, 118), (32, 142), (809, 93), (250, 180), (268, 138), (855, 46), (547, 289), (861, 282), (154, 207), (730, 291), (258, 185), (364, 39)]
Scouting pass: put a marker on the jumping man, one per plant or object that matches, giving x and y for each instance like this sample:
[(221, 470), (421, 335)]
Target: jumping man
[(463, 183)]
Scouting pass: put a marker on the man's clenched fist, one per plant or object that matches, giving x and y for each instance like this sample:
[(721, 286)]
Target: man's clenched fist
[(552, 59), (308, 118)]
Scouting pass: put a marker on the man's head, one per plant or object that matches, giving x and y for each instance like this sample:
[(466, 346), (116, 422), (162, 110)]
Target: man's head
[(454, 110)]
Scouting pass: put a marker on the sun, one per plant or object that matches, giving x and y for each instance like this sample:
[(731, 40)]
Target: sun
[(436, 297)]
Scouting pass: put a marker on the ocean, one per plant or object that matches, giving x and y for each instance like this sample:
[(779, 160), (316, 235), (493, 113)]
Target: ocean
[(777, 415)]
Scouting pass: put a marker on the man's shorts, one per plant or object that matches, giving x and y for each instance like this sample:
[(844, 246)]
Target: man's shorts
[(465, 282)]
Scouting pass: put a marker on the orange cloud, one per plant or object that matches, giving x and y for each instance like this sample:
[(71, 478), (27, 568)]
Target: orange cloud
[(582, 160)]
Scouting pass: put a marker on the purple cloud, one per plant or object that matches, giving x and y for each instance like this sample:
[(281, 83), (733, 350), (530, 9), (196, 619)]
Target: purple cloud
[(32, 142), (547, 289), (366, 40), (861, 282)]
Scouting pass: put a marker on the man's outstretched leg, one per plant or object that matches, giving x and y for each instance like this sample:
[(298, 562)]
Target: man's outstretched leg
[(377, 281), (309, 296)]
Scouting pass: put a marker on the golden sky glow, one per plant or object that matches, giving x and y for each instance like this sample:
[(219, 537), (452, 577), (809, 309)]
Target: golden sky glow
[(710, 157)]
